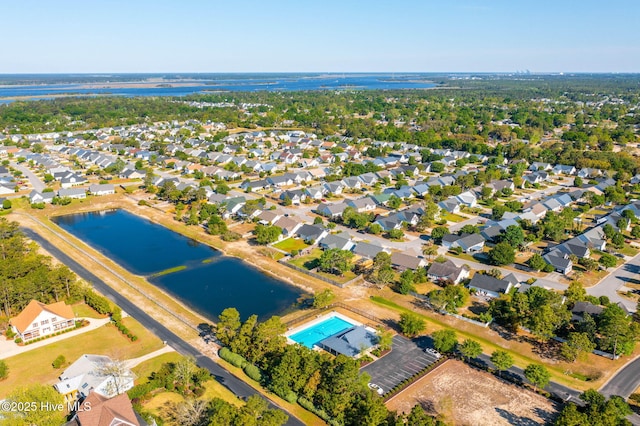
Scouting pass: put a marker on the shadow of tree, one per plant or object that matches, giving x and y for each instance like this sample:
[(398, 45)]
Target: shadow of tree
[(516, 420)]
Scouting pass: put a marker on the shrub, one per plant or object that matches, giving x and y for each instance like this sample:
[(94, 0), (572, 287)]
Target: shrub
[(4, 370), (233, 358), (253, 372), (18, 340), (59, 362), (230, 236), (143, 203), (38, 206), (291, 397), (10, 333)]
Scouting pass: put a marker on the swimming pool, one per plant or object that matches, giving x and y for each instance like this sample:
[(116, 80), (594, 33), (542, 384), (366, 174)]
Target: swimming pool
[(320, 331)]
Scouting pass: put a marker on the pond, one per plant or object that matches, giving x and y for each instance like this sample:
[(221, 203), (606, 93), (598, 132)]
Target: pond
[(196, 274)]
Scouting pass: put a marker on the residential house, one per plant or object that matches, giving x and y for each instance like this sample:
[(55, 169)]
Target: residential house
[(451, 205), (77, 193), (447, 271), (341, 241), (102, 189), (268, 217), (564, 170), (407, 260), (361, 205), (331, 210), (488, 286), (295, 195), (335, 188), (560, 261), (311, 233), (581, 308), (41, 197), (87, 375), (116, 411), (472, 243), (367, 250), (467, 198), (289, 226), (315, 193), (38, 319)]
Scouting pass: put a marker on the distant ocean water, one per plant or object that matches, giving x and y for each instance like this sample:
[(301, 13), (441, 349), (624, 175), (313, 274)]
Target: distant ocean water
[(42, 88)]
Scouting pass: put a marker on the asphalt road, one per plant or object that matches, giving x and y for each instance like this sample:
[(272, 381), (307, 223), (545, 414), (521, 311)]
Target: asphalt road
[(234, 384), (625, 381), (36, 183), (626, 273)]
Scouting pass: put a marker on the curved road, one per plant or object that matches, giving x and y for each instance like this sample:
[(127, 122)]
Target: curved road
[(234, 384), (625, 381)]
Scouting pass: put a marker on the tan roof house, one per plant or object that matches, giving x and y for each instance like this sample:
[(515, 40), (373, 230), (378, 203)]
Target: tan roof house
[(38, 319)]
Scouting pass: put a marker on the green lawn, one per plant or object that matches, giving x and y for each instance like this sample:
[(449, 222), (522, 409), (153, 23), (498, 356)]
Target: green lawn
[(144, 369), (291, 244), (307, 261), (34, 366), (451, 217), (85, 311)]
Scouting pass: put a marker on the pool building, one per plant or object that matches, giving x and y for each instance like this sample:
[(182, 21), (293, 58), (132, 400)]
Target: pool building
[(336, 334)]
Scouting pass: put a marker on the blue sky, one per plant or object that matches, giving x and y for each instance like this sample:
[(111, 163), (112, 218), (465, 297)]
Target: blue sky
[(103, 36)]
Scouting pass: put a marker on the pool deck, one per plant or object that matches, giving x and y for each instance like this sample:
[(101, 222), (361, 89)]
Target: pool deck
[(320, 318)]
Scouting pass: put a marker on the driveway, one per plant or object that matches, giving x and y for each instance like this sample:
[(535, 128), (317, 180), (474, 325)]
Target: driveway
[(406, 359)]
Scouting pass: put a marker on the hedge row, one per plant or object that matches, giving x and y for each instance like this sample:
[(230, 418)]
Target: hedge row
[(253, 372), (233, 358)]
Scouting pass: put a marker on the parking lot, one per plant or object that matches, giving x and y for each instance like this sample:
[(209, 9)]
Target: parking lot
[(406, 359)]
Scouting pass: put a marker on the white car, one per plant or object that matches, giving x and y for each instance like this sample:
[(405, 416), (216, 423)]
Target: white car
[(376, 388), (433, 352)]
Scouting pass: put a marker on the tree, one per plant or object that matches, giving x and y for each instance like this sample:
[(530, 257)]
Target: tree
[(406, 282), (184, 370), (438, 232), (469, 229), (576, 344), (6, 204), (29, 401), (335, 261), (502, 254), (411, 324), (502, 360), (617, 329), (537, 262), (444, 340), (538, 375), (498, 211), (216, 225), (118, 374), (59, 362), (617, 240), (396, 234), (228, 325), (635, 231), (323, 298), (513, 235), (608, 260), (267, 234), (577, 182), (429, 250), (222, 188), (375, 229), (394, 202), (571, 416), (418, 417), (575, 292), (470, 349), (190, 412), (385, 338), (4, 370)]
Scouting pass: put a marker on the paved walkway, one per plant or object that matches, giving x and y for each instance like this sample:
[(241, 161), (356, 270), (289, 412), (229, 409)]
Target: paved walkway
[(130, 363), (8, 348)]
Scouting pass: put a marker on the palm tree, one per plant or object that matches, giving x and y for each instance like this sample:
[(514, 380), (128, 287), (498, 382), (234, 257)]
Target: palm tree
[(429, 250)]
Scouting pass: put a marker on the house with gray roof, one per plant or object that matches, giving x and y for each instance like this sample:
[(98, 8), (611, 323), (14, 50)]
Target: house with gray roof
[(472, 243), (559, 260), (331, 210), (367, 250), (102, 189), (309, 233), (407, 260), (77, 193), (486, 285), (87, 375), (361, 205), (447, 271), (350, 342), (341, 241)]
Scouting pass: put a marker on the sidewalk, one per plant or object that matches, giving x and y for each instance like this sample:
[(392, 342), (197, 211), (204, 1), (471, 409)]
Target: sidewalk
[(130, 363), (8, 348)]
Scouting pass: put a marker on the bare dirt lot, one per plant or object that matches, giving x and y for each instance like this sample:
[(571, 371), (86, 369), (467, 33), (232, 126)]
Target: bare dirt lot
[(464, 396)]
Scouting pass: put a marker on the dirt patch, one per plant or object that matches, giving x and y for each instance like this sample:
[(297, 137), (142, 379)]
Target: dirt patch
[(464, 396)]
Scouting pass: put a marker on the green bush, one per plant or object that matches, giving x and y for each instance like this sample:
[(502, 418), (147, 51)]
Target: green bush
[(141, 390), (59, 362), (10, 333), (18, 340), (291, 397), (38, 206), (253, 372), (4, 370), (98, 303), (233, 358)]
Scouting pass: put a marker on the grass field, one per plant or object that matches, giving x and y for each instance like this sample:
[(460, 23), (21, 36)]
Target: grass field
[(144, 369), (34, 366), (291, 244), (308, 261), (83, 310)]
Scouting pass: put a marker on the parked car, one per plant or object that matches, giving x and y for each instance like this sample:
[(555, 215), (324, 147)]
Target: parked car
[(433, 352), (376, 388)]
